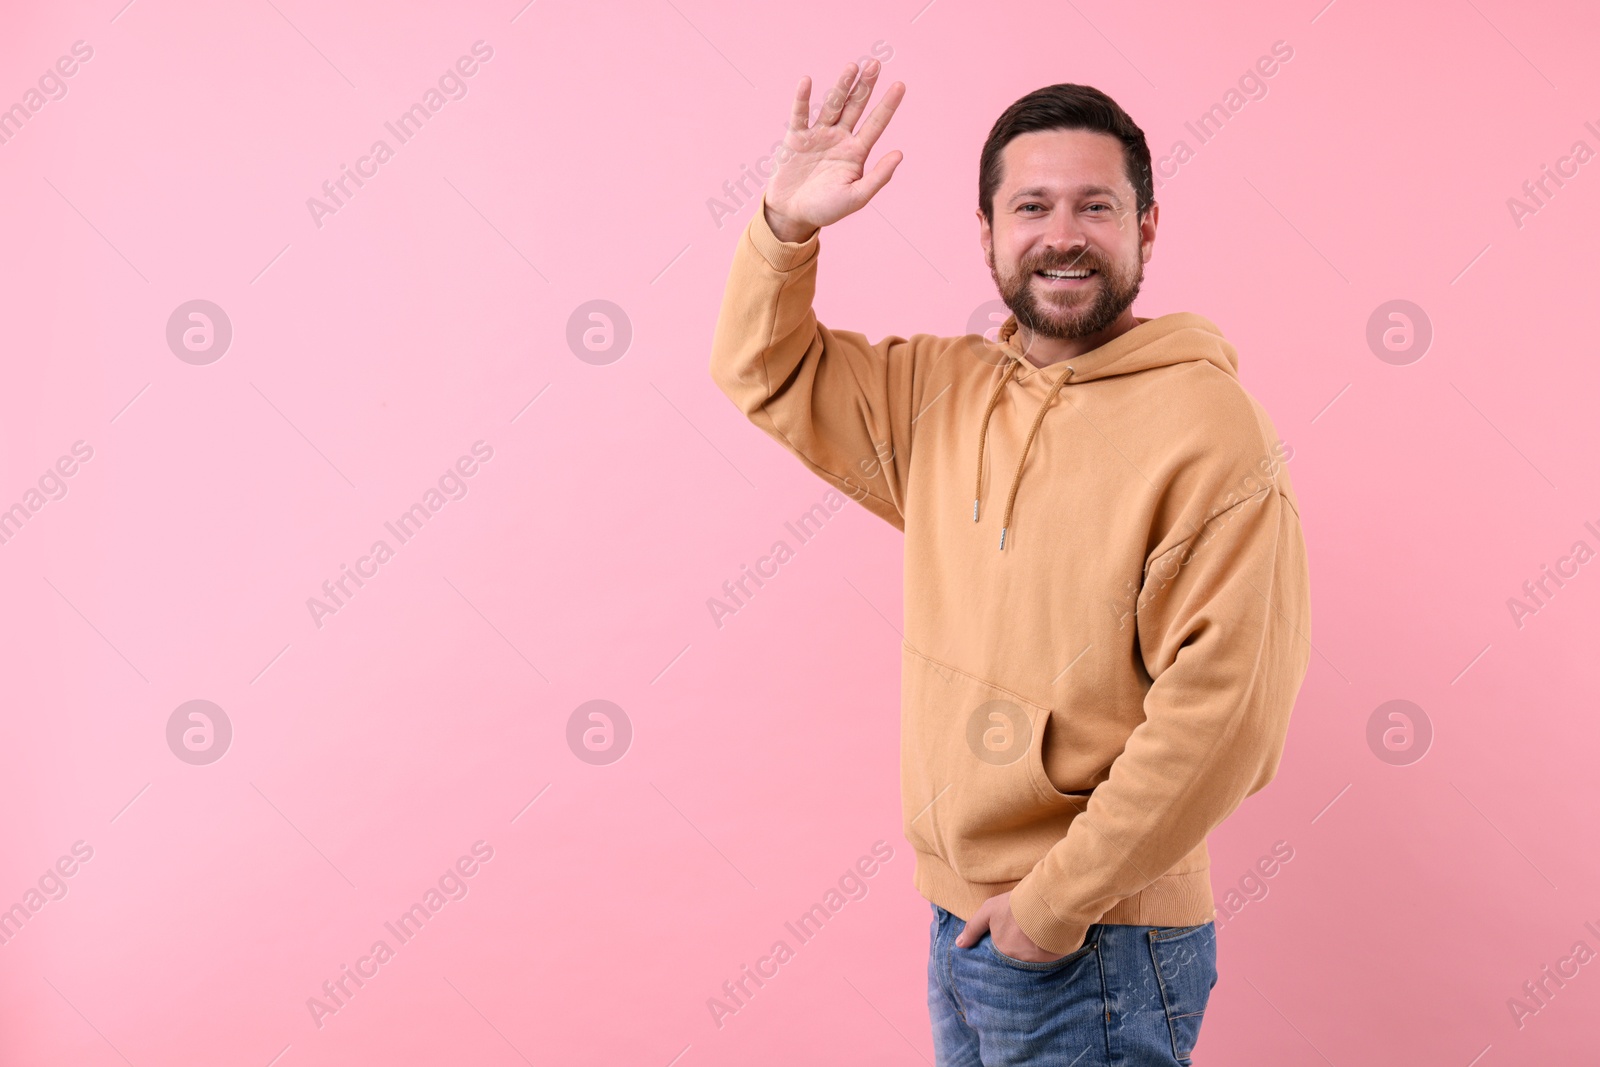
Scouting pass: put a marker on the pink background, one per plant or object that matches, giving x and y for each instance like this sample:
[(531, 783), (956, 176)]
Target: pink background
[(371, 752)]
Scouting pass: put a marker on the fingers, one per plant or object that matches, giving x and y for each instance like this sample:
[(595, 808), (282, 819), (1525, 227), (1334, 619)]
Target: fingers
[(879, 119), (834, 102), (973, 932), (846, 100), (800, 113), (879, 176), (857, 103)]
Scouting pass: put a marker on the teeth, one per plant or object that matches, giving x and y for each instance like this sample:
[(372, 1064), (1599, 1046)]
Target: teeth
[(1066, 273)]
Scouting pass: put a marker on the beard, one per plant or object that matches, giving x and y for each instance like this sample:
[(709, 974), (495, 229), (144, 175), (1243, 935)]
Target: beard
[(1069, 315)]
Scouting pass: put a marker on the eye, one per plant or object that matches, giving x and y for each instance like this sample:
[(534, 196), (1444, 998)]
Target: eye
[(1026, 206), (1106, 206)]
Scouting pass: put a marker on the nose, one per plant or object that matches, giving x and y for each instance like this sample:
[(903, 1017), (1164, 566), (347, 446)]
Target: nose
[(1065, 235)]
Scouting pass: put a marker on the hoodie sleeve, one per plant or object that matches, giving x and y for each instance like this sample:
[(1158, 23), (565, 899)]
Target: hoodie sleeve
[(1224, 632), (840, 404)]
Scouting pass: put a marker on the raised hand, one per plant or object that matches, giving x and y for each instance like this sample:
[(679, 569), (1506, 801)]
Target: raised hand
[(823, 175)]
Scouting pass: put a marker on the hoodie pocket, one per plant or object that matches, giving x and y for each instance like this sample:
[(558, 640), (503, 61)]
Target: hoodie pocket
[(973, 786)]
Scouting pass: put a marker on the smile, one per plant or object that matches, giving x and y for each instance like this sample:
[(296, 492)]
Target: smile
[(1065, 279)]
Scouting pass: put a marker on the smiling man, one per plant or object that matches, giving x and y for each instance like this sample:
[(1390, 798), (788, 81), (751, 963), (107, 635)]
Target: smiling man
[(1107, 605)]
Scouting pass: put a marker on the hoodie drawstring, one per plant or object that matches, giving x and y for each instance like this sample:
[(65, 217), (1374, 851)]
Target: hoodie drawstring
[(994, 398)]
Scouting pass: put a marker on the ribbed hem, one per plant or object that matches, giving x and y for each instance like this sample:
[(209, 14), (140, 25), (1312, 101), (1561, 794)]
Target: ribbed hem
[(1171, 900), (783, 255)]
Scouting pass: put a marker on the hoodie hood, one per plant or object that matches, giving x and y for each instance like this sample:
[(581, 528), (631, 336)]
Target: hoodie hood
[(1182, 337)]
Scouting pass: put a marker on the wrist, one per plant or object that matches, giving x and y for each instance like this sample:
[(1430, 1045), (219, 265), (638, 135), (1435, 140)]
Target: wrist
[(786, 229)]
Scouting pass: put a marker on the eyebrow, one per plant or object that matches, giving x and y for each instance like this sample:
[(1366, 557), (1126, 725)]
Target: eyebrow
[(1082, 190)]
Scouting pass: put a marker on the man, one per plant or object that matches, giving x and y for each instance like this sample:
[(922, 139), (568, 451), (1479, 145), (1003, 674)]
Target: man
[(1102, 652)]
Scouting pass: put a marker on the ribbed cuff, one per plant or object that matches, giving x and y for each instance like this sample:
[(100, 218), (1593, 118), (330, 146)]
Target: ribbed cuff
[(783, 255), (1042, 925)]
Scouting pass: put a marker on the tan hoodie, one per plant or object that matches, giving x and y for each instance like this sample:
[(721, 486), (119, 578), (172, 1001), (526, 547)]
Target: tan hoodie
[(1107, 613)]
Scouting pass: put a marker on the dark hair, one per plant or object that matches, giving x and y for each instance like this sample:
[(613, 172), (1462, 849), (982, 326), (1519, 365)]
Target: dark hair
[(1066, 107)]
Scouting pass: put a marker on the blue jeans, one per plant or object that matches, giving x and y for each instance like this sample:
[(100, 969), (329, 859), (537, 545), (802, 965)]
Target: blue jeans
[(1132, 996)]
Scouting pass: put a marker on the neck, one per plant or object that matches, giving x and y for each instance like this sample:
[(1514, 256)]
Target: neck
[(1045, 351)]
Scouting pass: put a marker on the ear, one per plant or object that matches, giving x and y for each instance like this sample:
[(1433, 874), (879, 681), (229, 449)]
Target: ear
[(1147, 232), (985, 235)]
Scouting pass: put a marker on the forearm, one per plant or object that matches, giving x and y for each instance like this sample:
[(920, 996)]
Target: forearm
[(841, 404), (766, 324), (1226, 641)]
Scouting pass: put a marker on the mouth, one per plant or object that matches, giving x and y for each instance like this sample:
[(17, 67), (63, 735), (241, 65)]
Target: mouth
[(1076, 278)]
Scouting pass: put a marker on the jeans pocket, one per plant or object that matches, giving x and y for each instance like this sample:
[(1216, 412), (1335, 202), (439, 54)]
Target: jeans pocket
[(1185, 960), (1045, 966)]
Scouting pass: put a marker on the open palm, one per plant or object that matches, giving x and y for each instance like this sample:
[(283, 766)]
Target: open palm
[(824, 176)]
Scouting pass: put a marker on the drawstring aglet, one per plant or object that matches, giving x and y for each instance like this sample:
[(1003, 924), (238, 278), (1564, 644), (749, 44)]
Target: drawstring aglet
[(974, 509), (1002, 538)]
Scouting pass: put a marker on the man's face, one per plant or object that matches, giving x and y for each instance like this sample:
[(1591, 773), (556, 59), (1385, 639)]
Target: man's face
[(1065, 203)]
